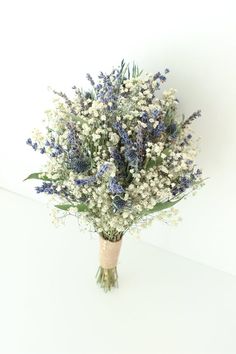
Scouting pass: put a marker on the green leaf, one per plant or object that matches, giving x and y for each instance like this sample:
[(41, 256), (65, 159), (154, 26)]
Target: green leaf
[(128, 73), (63, 206), (158, 161), (38, 175), (80, 207), (151, 163), (166, 151), (161, 206)]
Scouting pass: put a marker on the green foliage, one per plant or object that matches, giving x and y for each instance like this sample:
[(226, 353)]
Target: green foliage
[(158, 161), (131, 72), (166, 151), (80, 207), (161, 206), (107, 278), (39, 175), (152, 163)]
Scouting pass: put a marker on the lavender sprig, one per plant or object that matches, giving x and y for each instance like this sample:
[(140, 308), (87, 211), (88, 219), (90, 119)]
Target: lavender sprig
[(190, 119)]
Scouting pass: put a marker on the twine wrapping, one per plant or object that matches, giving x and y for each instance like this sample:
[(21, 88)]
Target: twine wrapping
[(109, 253)]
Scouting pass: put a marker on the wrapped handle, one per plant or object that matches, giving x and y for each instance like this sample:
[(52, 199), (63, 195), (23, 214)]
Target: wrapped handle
[(109, 253)]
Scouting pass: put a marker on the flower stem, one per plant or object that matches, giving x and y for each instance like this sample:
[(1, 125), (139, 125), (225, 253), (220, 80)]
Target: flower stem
[(107, 278)]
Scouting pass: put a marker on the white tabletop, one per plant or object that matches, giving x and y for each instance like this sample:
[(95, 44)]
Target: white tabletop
[(50, 303)]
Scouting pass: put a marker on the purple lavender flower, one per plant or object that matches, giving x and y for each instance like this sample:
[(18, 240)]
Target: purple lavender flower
[(90, 79), (145, 119), (118, 158), (103, 169), (35, 146), (109, 90), (122, 133), (47, 187), (92, 179), (159, 76), (29, 142), (140, 144), (156, 113), (58, 150), (189, 162), (198, 172), (186, 140), (50, 143), (118, 203), (132, 157), (185, 182), (160, 128), (67, 101), (79, 165), (172, 130), (85, 181), (190, 119), (114, 187), (72, 136), (50, 188)]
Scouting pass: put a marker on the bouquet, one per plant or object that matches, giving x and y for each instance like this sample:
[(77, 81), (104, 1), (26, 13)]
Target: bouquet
[(118, 154)]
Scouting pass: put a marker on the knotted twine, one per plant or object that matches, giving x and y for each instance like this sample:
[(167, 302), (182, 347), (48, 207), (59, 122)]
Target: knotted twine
[(109, 253)]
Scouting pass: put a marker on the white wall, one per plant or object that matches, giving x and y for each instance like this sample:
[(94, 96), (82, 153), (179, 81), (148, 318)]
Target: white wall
[(55, 43)]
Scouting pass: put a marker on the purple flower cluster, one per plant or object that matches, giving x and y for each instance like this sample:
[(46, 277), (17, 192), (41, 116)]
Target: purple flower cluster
[(85, 181), (132, 157), (114, 187), (118, 158), (185, 182), (122, 133), (78, 164), (50, 188), (92, 179), (159, 76), (160, 128), (190, 119), (30, 143), (106, 91), (140, 144), (56, 148), (75, 160), (145, 119), (47, 187), (72, 137), (153, 132), (68, 102), (156, 113), (90, 79), (103, 169), (186, 140), (118, 203), (172, 130)]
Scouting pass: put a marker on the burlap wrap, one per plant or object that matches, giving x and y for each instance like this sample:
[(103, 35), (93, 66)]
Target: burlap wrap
[(109, 253)]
